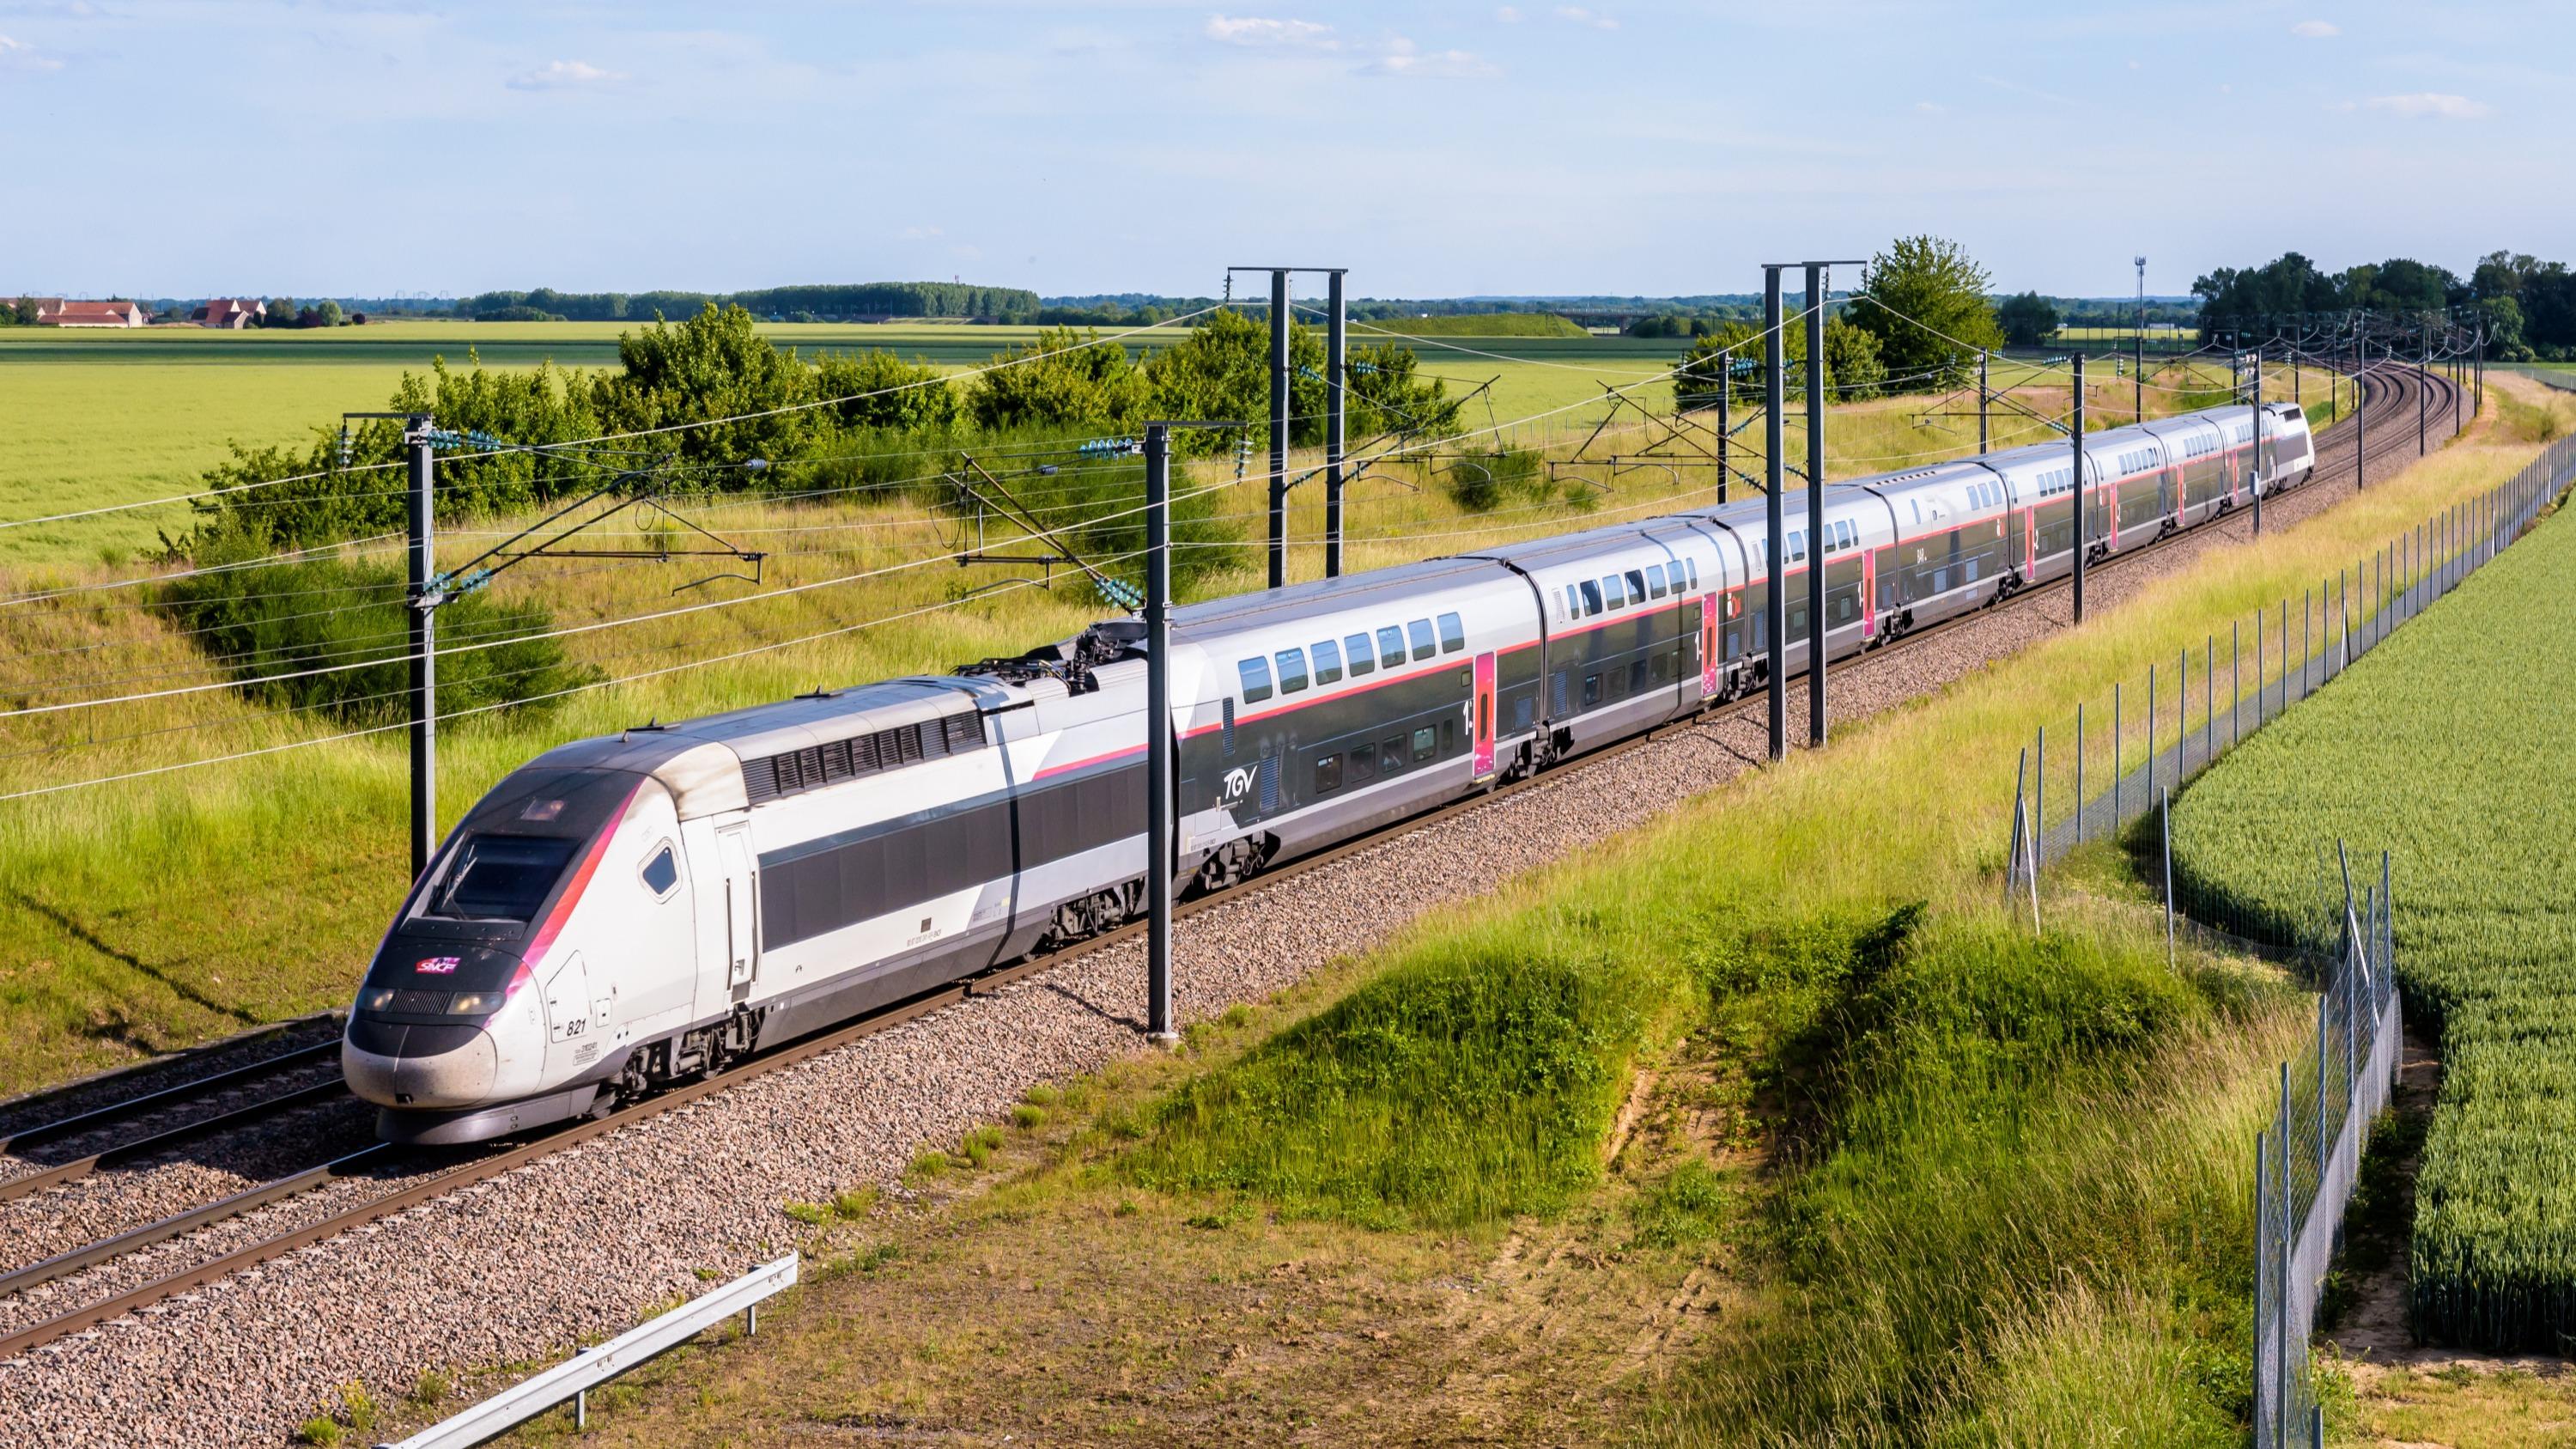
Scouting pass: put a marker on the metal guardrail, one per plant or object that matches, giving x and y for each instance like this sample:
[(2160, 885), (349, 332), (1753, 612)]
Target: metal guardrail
[(575, 1377)]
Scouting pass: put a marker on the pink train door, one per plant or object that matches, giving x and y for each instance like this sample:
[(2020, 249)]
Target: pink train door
[(1708, 646), (1484, 716), (1869, 594), (2030, 542)]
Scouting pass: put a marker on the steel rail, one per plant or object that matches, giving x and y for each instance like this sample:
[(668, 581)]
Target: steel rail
[(80, 1167), (17, 1143), (794, 1053)]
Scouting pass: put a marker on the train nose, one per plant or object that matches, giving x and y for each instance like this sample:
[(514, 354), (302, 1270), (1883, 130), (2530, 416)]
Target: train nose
[(398, 1064)]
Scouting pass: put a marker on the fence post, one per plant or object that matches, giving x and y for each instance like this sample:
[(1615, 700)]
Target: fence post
[(2235, 681), (2208, 700), (2117, 778), (2166, 808), (2079, 772), (2289, 1217), (2262, 1270), (2151, 731), (2012, 860), (2262, 697), (2038, 801), (2182, 717)]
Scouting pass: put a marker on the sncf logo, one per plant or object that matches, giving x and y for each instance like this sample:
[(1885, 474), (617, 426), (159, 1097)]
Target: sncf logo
[(437, 965)]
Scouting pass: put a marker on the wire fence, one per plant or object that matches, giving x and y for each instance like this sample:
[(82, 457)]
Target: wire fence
[(2166, 728), (2095, 775), (2307, 1159)]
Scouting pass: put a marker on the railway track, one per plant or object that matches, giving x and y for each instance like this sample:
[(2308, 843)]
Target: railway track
[(428, 1174)]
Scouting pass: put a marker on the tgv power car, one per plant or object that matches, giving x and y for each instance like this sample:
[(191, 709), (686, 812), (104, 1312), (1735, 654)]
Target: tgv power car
[(626, 911)]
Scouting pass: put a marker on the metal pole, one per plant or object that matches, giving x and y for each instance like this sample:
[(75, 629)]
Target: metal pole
[(1775, 606), (1725, 431), (2182, 717), (2360, 413), (2307, 606), (2236, 681), (1816, 509), (1279, 329), (2138, 353), (423, 629), (2083, 489), (2281, 1164), (2423, 378), (2254, 455), (1336, 437), (2209, 699), (2117, 777), (1158, 734), (2038, 796), (2262, 1269), (1982, 395), (2151, 729)]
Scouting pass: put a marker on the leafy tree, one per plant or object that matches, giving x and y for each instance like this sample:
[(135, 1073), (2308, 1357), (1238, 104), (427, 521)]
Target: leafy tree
[(1079, 387), (1853, 368), (281, 313), (328, 312), (2028, 319), (714, 365), (1386, 396), (2504, 329), (881, 390), (1222, 370), (2290, 283), (1926, 306)]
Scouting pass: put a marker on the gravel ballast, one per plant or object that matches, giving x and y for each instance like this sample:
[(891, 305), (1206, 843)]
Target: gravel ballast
[(577, 1244)]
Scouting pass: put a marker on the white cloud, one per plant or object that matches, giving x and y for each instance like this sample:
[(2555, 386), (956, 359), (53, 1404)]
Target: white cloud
[(1257, 30), (1930, 108), (1509, 15), (1403, 57), (922, 233), (1581, 16), (559, 74), (2316, 30), (2432, 103), (19, 55)]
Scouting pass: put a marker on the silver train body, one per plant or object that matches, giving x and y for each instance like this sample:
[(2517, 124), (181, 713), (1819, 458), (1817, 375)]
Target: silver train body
[(628, 911)]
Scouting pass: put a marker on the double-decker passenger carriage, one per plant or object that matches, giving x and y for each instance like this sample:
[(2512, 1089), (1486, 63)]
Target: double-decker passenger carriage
[(628, 911)]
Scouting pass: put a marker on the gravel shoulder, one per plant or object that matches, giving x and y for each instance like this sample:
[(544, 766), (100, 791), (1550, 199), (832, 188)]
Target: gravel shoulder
[(522, 1267)]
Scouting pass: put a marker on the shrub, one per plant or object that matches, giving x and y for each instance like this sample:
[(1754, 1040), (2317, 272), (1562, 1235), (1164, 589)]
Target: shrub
[(267, 626)]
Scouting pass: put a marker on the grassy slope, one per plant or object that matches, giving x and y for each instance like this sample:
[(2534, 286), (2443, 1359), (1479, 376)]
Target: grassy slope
[(2004, 1195), (2414, 752)]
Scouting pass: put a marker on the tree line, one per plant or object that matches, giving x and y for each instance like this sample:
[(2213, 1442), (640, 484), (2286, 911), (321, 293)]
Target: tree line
[(831, 302), (2527, 306)]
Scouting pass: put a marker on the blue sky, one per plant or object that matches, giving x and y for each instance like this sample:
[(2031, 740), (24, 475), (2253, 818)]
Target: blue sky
[(161, 148)]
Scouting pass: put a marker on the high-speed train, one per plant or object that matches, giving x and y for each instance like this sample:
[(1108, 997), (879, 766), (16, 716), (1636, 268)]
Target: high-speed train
[(622, 912)]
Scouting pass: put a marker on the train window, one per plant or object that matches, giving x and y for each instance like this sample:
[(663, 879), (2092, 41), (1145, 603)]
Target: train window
[(1425, 741), (1362, 662), (1328, 774), (1637, 675), (1363, 763), (1797, 541), (1591, 597), (1391, 756), (500, 877), (1636, 586), (1693, 564), (1573, 602), (1423, 645), (1654, 581), (662, 872), (1292, 670), (1328, 661), (1256, 679), (1448, 736), (1591, 690), (1390, 647), (1453, 634)]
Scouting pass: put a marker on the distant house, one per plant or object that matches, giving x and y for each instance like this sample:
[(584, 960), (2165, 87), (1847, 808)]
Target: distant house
[(96, 314), (46, 307), (230, 313)]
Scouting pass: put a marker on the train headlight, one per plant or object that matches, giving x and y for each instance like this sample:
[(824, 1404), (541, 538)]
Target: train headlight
[(484, 1003), (376, 998)]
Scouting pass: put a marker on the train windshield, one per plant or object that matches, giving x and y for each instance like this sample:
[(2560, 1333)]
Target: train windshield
[(500, 877)]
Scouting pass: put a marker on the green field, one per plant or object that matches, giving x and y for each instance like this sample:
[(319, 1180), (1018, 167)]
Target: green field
[(89, 419), (2439, 747)]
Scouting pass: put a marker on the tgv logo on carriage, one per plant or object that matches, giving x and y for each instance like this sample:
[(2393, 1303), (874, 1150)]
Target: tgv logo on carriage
[(632, 910)]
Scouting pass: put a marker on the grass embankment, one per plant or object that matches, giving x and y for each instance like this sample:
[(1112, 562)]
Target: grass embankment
[(1475, 324), (2434, 748), (168, 909), (1776, 1056)]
